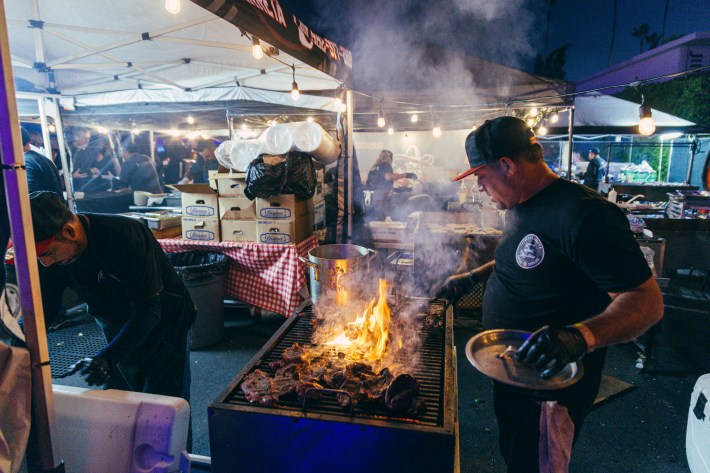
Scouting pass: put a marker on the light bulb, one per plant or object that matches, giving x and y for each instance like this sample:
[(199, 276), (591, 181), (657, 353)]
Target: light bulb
[(436, 132), (102, 130), (52, 128), (533, 112), (415, 118), (190, 120), (256, 50), (530, 122), (554, 117), (542, 130), (381, 121), (338, 102), (245, 127), (172, 6), (135, 131), (309, 119), (647, 126), (295, 94), (390, 131), (343, 107)]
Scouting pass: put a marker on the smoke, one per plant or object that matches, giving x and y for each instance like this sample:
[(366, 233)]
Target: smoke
[(416, 45)]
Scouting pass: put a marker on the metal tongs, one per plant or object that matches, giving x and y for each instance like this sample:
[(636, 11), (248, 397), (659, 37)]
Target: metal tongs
[(507, 353)]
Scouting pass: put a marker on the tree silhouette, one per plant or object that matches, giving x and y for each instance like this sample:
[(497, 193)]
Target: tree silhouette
[(554, 63), (653, 40), (641, 32)]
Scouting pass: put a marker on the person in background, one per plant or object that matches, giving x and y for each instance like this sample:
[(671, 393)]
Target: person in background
[(139, 172), (549, 278), (206, 161), (596, 170), (132, 291), (42, 174), (105, 164), (175, 153), (380, 180)]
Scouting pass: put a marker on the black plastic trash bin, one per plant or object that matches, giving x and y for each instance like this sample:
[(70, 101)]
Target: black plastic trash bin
[(202, 272)]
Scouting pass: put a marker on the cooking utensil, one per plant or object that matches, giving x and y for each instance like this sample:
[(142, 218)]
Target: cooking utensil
[(491, 352)]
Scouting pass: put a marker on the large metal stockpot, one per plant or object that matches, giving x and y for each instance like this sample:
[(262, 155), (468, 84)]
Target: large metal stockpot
[(332, 266)]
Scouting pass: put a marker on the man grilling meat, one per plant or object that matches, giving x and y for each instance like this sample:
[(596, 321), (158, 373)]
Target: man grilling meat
[(550, 278)]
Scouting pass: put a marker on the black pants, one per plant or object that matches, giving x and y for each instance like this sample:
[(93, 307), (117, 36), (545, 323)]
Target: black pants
[(518, 414)]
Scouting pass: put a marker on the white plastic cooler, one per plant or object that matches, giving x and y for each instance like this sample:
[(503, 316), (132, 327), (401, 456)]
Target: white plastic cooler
[(116, 431), (697, 438)]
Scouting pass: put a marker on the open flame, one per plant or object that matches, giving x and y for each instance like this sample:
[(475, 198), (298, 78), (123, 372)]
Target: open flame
[(369, 332)]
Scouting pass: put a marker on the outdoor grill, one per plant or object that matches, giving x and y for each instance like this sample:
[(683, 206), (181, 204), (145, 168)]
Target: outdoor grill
[(322, 436)]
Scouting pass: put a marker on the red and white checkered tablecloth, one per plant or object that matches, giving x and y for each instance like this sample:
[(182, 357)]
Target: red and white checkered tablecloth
[(267, 276)]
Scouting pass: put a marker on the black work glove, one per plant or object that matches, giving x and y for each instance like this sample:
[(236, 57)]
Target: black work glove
[(456, 286), (411, 175), (95, 370), (550, 349)]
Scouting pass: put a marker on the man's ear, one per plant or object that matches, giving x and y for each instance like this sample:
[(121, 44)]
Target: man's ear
[(508, 165), (69, 230)]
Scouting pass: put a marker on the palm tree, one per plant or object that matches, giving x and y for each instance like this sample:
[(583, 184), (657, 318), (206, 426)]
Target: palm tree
[(550, 4), (613, 32), (641, 32)]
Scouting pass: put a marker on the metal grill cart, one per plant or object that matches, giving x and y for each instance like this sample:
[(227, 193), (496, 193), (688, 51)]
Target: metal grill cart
[(320, 436)]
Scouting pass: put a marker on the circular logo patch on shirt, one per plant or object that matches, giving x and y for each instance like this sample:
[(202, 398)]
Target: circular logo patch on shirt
[(530, 252)]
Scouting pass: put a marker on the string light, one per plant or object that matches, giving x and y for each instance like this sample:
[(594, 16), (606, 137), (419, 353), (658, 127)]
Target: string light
[(533, 112), (52, 128), (646, 124), (436, 131), (414, 118), (530, 122), (380, 117), (256, 50), (173, 6), (190, 120), (555, 117), (542, 130), (295, 94), (309, 119), (390, 130)]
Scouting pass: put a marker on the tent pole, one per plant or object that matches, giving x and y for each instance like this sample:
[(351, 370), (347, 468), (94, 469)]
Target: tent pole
[(570, 139), (349, 100), (25, 258), (66, 165), (45, 128)]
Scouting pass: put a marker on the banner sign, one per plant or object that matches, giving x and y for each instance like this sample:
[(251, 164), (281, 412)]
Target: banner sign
[(268, 21)]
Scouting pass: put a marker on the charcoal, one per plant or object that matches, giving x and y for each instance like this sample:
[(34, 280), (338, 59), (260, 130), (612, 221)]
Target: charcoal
[(258, 387), (402, 392)]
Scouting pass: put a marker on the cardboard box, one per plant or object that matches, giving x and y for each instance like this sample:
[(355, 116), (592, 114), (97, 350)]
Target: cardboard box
[(198, 200), (239, 230), (285, 231), (230, 184), (200, 229), (284, 207), (236, 208)]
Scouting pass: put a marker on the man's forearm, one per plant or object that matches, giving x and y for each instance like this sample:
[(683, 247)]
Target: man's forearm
[(483, 272), (628, 316)]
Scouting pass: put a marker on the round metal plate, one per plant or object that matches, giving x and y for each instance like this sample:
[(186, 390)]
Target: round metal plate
[(491, 352)]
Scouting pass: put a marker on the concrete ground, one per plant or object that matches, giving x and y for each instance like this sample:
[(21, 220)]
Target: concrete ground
[(641, 430)]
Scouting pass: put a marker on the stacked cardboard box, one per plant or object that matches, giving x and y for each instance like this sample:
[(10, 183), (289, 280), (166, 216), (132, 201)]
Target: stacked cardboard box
[(236, 212), (282, 219), (200, 218)]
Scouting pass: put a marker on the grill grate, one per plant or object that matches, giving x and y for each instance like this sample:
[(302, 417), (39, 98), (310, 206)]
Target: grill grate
[(68, 345), (429, 373)]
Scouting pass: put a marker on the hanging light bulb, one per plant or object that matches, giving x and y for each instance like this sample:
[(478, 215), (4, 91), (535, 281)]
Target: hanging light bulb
[(343, 107), (436, 131), (256, 50), (381, 117), (338, 103), (190, 120), (554, 118), (309, 119), (530, 122), (390, 130), (295, 94), (414, 118), (533, 112), (52, 128), (646, 124), (173, 6), (542, 130)]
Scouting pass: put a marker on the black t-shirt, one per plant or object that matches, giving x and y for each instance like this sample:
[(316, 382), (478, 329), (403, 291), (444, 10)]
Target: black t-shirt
[(124, 264), (562, 252), (376, 179), (42, 174), (139, 172)]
